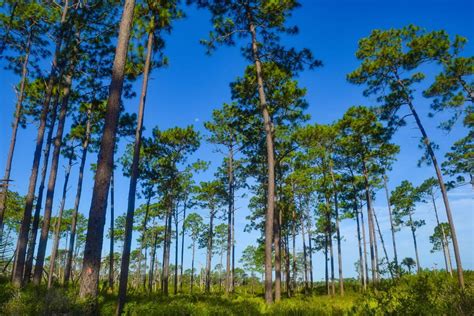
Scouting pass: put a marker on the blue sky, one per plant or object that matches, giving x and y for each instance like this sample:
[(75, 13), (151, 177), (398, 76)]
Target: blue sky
[(186, 92)]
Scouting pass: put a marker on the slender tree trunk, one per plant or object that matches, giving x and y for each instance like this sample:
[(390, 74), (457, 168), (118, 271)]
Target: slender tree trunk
[(133, 182), (19, 267), (412, 227), (392, 226), (330, 244), (183, 231), (57, 230), (228, 272), (295, 270), (39, 201), (233, 250), (310, 251), (209, 252), (326, 263), (192, 266), (166, 253), (373, 255), (95, 233), (382, 241), (16, 122), (85, 148), (338, 236), (277, 246), (444, 241), (40, 256), (439, 175), (305, 258), (271, 166), (112, 233), (176, 252), (361, 258), (287, 266), (152, 264), (364, 239), (144, 228)]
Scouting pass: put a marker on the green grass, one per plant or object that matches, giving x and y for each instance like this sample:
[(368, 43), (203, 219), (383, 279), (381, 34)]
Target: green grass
[(429, 293)]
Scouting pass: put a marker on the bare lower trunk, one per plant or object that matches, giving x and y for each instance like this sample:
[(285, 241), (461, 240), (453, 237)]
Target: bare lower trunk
[(95, 232), (52, 180), (364, 239), (39, 201), (277, 246), (133, 183), (166, 253), (209, 252), (228, 272), (305, 258), (192, 266), (383, 243), (183, 231), (413, 233), (57, 230), (85, 147), (19, 106), (152, 264), (444, 241), (373, 254), (176, 252), (338, 236), (444, 192), (112, 232), (271, 166), (392, 227), (361, 258), (310, 252)]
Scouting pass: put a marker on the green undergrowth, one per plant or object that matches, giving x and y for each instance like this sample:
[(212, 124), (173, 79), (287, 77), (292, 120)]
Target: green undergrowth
[(429, 293)]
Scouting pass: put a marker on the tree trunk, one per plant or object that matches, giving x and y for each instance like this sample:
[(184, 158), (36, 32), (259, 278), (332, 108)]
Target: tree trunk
[(176, 252), (233, 250), (209, 252), (192, 266), (152, 264), (19, 266), (183, 231), (16, 122), (444, 241), (228, 272), (361, 258), (383, 243), (287, 265), (444, 192), (392, 227), (39, 201), (57, 230), (112, 232), (330, 245), (271, 166), (338, 236), (310, 253), (48, 208), (85, 148), (295, 270), (95, 233), (166, 252), (277, 246), (305, 258), (144, 228), (373, 255), (413, 229), (133, 182), (364, 239)]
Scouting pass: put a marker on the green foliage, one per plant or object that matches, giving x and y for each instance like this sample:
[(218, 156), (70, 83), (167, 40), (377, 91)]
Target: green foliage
[(427, 293)]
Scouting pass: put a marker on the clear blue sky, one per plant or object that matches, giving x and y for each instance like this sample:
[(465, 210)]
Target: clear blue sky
[(194, 84)]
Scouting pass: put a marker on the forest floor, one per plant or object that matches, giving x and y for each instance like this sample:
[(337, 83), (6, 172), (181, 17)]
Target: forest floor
[(428, 293)]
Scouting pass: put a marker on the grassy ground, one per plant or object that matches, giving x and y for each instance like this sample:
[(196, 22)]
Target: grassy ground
[(430, 293)]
